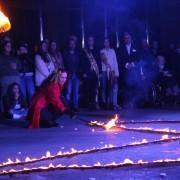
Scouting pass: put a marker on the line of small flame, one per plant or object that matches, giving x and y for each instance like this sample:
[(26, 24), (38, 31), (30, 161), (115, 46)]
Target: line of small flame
[(148, 129), (74, 152), (126, 162)]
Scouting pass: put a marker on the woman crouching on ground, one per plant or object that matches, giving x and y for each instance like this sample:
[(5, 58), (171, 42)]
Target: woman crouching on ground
[(46, 105)]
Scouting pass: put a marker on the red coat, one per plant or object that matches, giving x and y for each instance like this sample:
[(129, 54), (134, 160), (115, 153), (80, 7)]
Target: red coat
[(45, 96)]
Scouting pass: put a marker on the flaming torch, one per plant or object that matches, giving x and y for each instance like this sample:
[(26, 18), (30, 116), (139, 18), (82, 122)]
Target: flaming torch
[(5, 24)]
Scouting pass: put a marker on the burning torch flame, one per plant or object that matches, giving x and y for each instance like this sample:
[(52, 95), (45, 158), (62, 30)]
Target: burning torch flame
[(111, 123), (4, 23)]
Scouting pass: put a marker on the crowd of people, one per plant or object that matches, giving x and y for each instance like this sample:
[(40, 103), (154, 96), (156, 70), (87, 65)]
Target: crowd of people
[(94, 78)]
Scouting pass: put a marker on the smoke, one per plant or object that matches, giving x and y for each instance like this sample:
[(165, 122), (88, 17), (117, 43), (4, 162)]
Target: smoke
[(141, 80)]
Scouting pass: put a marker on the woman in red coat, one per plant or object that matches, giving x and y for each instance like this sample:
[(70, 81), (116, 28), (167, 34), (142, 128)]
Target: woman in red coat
[(46, 103)]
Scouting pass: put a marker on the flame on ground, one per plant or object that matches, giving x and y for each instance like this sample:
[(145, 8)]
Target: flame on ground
[(125, 162), (165, 136), (111, 123)]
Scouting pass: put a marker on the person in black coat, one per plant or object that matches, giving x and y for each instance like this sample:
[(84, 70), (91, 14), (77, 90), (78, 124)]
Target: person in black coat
[(91, 67), (130, 74), (72, 63)]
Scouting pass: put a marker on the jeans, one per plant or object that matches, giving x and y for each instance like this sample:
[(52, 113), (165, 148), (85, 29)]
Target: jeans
[(114, 95), (73, 90), (109, 92), (27, 86), (90, 89), (18, 113)]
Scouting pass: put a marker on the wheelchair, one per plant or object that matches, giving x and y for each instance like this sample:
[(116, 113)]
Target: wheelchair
[(157, 95)]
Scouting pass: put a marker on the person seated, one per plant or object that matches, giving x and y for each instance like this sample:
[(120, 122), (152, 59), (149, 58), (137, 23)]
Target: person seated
[(15, 106), (46, 105), (167, 81)]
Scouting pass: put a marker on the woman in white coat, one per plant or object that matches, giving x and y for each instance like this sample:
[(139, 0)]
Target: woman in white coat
[(43, 64), (110, 75)]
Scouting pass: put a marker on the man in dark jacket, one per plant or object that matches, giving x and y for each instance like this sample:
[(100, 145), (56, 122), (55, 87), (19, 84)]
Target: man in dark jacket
[(72, 63), (26, 72), (128, 58)]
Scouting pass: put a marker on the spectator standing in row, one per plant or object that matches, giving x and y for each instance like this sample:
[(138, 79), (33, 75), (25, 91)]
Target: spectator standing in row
[(72, 63), (26, 72), (56, 55), (91, 66), (130, 74), (43, 64), (9, 68), (110, 75)]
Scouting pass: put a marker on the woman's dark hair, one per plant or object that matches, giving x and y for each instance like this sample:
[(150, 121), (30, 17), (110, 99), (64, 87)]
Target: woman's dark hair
[(9, 99), (53, 77), (50, 49), (41, 53), (10, 93)]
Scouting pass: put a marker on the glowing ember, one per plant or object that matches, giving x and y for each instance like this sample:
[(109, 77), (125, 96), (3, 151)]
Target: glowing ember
[(111, 146), (48, 154), (165, 136), (98, 164), (144, 141), (27, 159), (73, 166), (128, 161), (51, 165), (9, 160), (17, 160), (59, 153), (111, 123), (73, 150), (141, 162)]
